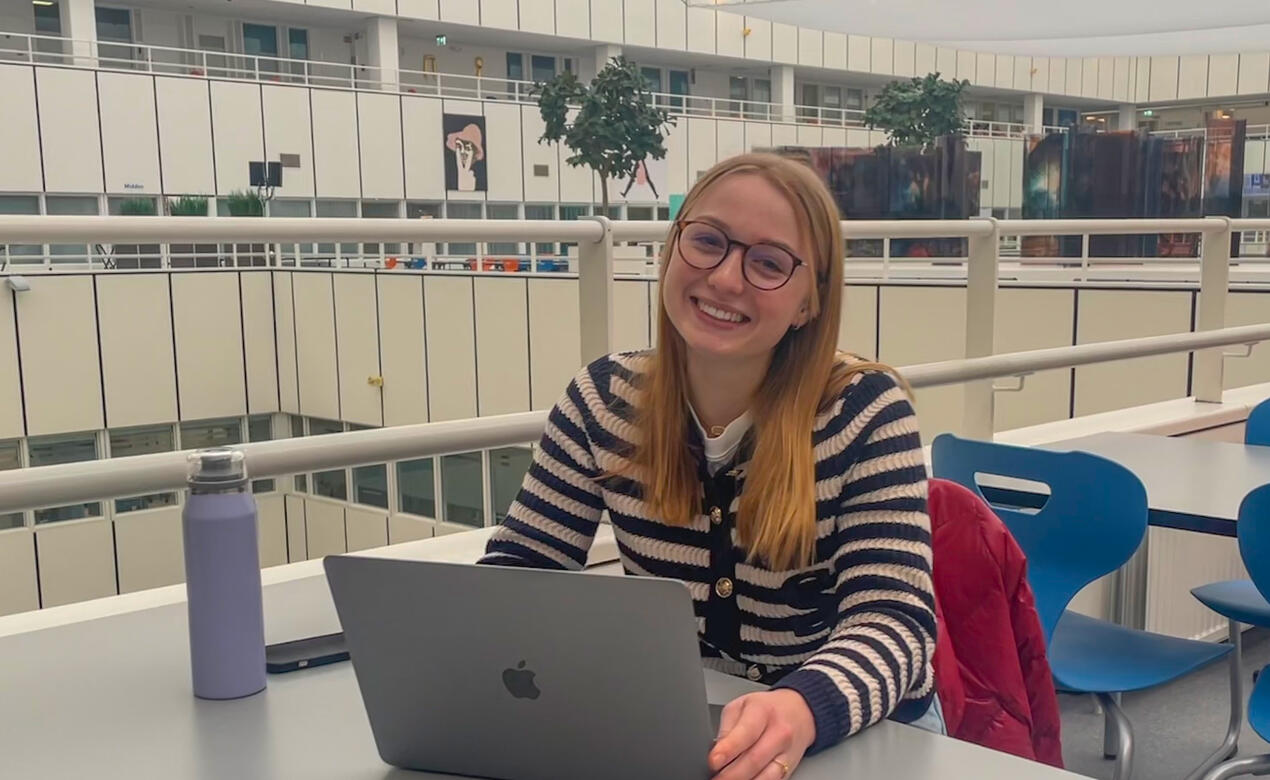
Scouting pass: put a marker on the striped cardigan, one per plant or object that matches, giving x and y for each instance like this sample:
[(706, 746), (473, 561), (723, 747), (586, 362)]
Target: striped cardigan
[(853, 633)]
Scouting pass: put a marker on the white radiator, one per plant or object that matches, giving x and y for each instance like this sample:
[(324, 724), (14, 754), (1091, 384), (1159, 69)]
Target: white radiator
[(1177, 562)]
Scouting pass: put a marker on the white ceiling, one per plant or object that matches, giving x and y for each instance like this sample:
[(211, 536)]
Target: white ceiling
[(1057, 27)]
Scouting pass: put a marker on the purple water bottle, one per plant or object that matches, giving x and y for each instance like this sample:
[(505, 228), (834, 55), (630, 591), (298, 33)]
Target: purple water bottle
[(222, 578)]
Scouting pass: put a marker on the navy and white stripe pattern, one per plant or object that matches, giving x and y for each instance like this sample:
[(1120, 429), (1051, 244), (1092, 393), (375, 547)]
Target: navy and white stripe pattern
[(853, 632)]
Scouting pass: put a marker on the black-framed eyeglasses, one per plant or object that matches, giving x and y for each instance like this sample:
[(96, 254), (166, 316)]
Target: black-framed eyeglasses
[(765, 266)]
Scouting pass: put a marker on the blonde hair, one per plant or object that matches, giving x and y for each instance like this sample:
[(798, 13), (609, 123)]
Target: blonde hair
[(776, 520)]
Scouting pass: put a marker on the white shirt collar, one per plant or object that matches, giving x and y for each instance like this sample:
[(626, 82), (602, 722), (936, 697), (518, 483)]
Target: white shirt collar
[(720, 449)]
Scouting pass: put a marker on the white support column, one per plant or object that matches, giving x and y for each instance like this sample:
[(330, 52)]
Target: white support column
[(382, 52), (1214, 288), (981, 308), (1127, 118), (603, 53), (1034, 113), (595, 288), (783, 92), (79, 22)]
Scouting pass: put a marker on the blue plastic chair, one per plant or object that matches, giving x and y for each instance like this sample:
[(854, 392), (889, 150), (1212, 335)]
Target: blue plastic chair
[(1257, 429), (1239, 600), (1254, 548), (1093, 522)]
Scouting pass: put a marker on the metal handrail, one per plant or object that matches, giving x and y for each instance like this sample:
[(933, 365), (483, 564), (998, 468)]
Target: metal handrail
[(106, 229), (94, 480), (201, 63)]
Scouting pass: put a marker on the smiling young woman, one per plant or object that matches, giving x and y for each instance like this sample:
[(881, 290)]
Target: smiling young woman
[(781, 480)]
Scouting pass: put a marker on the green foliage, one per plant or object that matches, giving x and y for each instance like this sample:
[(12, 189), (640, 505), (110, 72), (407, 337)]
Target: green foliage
[(244, 203), (137, 207), (616, 126), (918, 111), (188, 206)]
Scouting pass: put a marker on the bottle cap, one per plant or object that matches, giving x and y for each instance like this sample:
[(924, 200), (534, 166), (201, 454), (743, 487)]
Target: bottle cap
[(217, 467)]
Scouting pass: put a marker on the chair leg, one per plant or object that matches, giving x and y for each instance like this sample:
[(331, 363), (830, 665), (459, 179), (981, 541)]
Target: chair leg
[(1109, 740), (1230, 745), (1254, 765), (1124, 736)]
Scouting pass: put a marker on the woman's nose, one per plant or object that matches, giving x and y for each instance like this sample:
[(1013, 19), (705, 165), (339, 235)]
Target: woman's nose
[(728, 274)]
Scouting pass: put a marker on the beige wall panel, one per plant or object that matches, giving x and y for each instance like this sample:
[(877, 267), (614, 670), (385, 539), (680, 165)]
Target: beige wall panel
[(272, 529), (326, 534), (129, 132), (77, 561), (425, 167), (811, 47), (288, 384), (408, 529), (258, 338), (1108, 315), (925, 59), (554, 346), (367, 528), (882, 56), (20, 132), (758, 44), (316, 371), (297, 532), (1223, 75), (1034, 319), (858, 326), (1254, 73), (357, 347), (135, 327), (379, 140), (1164, 78), (607, 21), (920, 325), (237, 133), (450, 317), (19, 586), (1192, 78), (289, 130), (149, 549), (403, 351), (729, 33), (672, 24), (1248, 308), (573, 18), (209, 360), (336, 162), (185, 135), (61, 375), (630, 315), (859, 53), (11, 426), (502, 345), (69, 136), (640, 22)]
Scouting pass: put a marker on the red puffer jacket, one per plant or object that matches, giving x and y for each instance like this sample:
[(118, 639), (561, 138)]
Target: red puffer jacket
[(991, 674)]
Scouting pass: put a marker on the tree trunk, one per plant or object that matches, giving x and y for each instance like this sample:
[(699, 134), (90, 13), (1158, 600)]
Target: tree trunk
[(604, 193)]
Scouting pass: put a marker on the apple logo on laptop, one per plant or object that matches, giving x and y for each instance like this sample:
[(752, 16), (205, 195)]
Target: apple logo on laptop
[(520, 682)]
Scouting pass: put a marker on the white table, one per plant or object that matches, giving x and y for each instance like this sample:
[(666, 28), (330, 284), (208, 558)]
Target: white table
[(1192, 484), (109, 697)]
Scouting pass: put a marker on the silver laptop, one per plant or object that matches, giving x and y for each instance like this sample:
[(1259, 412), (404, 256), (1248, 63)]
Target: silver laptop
[(524, 674)]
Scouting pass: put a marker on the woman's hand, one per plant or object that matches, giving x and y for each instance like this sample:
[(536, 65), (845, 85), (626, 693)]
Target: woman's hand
[(762, 736)]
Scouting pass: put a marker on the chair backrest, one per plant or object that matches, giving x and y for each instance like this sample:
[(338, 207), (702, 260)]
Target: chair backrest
[(1254, 536), (1257, 429), (1093, 522)]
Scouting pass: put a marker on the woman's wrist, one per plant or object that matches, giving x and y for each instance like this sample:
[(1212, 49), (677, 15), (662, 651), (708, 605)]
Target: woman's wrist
[(802, 721)]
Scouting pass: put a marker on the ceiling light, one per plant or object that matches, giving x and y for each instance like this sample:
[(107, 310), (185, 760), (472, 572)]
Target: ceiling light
[(42, 2)]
